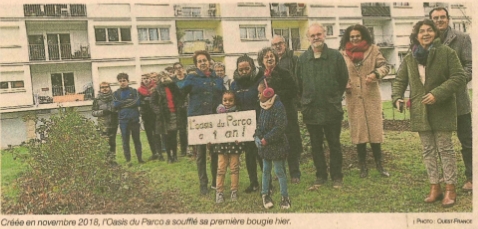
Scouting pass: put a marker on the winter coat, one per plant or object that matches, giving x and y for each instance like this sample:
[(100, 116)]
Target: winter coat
[(145, 107), (322, 83), (246, 91), (228, 147), (183, 108), (444, 77), (159, 104), (283, 84), (127, 101), (289, 62), (461, 43), (205, 93), (272, 126), (106, 114), (364, 102)]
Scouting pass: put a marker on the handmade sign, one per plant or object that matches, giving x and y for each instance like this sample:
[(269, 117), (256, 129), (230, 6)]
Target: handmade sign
[(220, 128)]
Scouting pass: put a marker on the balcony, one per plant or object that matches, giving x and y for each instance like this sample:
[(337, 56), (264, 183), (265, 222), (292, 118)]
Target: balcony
[(375, 10), (287, 9), (192, 46), (54, 52), (196, 10), (64, 94), (54, 10)]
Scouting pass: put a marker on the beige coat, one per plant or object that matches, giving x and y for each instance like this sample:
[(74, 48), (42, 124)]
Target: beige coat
[(364, 103)]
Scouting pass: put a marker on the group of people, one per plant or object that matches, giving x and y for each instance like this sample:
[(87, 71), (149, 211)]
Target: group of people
[(436, 70)]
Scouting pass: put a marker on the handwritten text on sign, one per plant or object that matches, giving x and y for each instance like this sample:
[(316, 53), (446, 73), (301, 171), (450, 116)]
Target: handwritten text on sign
[(220, 128)]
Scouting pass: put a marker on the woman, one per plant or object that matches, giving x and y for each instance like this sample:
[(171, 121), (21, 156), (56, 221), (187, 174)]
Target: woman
[(366, 65), (205, 94), (284, 85), (434, 73), (246, 81)]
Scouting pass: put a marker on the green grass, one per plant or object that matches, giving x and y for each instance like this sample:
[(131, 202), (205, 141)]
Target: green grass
[(404, 191)]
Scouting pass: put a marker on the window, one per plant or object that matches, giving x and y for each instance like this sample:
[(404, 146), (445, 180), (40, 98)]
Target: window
[(401, 4), (330, 30), (193, 35), (62, 84), (460, 26), (153, 34), (112, 34), (9, 85), (253, 32)]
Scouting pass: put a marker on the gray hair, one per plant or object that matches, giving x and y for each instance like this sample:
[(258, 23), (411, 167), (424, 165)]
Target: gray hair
[(279, 36), (318, 25), (219, 64)]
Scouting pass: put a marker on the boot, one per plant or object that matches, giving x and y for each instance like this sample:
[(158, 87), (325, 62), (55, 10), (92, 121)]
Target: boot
[(450, 196), (175, 156), (363, 169), (362, 153), (377, 155), (382, 171), (435, 194)]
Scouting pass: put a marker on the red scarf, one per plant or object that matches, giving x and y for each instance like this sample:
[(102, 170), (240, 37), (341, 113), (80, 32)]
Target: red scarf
[(355, 52), (169, 97), (268, 72), (208, 73), (146, 90)]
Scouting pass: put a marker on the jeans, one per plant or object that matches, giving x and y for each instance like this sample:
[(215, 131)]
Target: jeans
[(332, 134), (201, 159), (154, 141), (464, 133), (224, 160), (252, 159), (132, 127), (438, 144), (280, 172)]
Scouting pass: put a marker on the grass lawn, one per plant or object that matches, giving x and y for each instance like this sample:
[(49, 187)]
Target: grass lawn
[(403, 192)]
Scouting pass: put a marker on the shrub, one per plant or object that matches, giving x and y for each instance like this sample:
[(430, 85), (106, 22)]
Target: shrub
[(68, 171)]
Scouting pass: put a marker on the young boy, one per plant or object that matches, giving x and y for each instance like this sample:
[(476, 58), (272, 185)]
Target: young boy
[(126, 101), (272, 143)]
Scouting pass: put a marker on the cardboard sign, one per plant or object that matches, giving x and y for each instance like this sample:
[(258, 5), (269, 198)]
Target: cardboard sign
[(221, 128)]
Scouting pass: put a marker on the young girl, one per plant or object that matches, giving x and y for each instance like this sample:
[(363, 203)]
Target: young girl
[(272, 143), (228, 153)]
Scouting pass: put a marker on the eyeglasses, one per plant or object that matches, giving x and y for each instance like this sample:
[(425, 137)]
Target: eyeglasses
[(442, 17), (277, 44), (104, 87)]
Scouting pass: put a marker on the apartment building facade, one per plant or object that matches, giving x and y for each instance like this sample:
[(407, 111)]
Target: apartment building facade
[(57, 54)]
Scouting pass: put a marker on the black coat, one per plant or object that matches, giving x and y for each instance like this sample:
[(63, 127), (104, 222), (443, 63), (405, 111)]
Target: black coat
[(159, 104)]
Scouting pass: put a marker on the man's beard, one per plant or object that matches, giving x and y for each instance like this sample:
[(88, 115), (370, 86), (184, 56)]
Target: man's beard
[(318, 45)]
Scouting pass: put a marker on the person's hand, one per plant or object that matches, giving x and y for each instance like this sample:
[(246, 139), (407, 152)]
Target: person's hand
[(399, 103), (258, 143), (237, 142), (370, 78), (428, 99), (263, 142), (348, 88)]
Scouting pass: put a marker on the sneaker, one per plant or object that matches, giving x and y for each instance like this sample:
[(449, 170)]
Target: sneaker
[(234, 195), (213, 187), (219, 197), (153, 157), (468, 186), (285, 203), (252, 188), (295, 180), (267, 201), (318, 182), (337, 183)]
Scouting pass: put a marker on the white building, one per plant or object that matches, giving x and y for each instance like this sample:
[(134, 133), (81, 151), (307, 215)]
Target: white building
[(52, 54)]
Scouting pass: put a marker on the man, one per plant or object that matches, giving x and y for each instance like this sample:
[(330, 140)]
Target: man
[(179, 79), (220, 70), (170, 71), (107, 118), (461, 43), (323, 76), (126, 101), (149, 118), (288, 61)]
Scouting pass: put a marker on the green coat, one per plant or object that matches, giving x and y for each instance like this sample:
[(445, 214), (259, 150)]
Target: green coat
[(444, 75), (322, 84)]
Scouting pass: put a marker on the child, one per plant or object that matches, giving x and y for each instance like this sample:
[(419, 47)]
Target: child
[(165, 102), (126, 101), (272, 143), (228, 153)]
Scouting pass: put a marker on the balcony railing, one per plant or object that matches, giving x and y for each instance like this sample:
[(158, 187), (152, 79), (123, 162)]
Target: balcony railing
[(72, 51), (62, 94), (287, 9), (195, 10), (378, 10), (54, 10), (192, 46)]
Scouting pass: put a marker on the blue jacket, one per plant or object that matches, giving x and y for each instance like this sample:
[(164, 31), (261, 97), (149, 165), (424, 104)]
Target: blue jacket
[(126, 101), (205, 93), (246, 91)]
